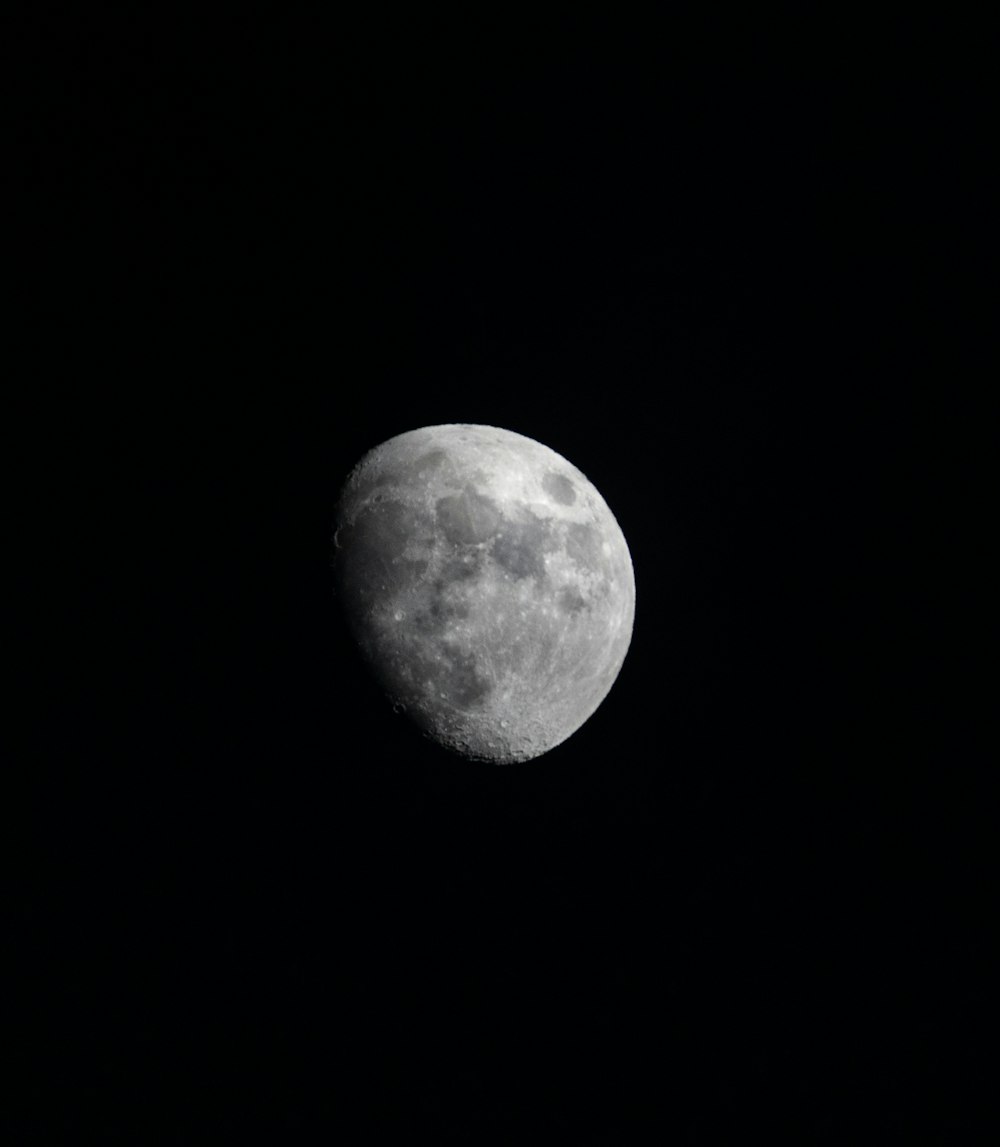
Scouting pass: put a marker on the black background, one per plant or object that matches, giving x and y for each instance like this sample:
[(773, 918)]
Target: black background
[(721, 266)]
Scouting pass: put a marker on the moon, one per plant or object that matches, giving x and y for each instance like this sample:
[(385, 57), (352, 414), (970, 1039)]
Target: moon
[(488, 587)]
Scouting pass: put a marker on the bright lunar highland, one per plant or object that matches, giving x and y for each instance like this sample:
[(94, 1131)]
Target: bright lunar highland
[(488, 586)]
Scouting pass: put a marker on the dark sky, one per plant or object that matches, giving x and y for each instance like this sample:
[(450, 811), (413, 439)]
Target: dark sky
[(723, 267)]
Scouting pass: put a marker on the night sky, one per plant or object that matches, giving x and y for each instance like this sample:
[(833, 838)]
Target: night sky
[(721, 266)]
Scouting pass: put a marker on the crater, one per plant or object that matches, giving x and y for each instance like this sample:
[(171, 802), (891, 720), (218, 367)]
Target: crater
[(559, 487)]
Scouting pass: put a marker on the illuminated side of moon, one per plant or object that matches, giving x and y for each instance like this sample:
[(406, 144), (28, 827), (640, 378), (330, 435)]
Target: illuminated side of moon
[(488, 586)]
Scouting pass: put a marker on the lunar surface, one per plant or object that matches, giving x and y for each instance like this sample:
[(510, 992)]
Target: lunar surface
[(488, 586)]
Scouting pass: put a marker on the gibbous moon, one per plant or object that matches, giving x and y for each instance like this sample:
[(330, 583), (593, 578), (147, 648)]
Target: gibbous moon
[(488, 586)]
